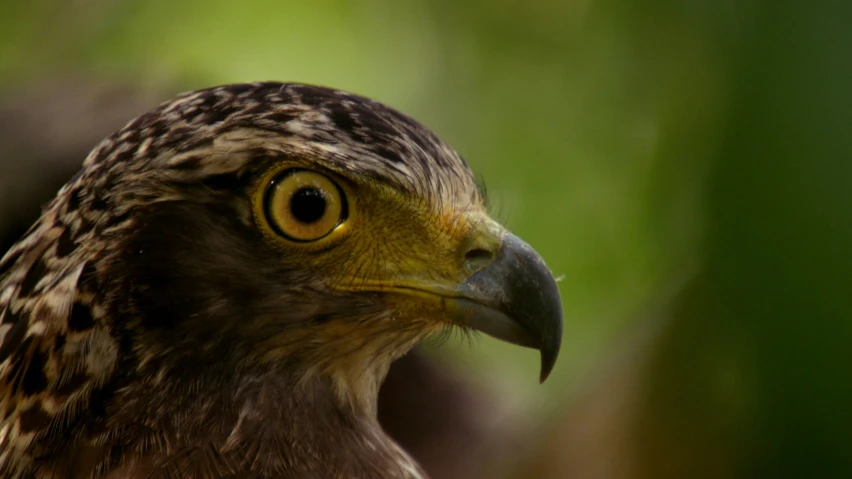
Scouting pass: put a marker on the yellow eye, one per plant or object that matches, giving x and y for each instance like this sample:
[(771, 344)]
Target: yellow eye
[(303, 206)]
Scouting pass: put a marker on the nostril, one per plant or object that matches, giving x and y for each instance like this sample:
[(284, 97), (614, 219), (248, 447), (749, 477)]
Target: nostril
[(477, 259), (478, 254)]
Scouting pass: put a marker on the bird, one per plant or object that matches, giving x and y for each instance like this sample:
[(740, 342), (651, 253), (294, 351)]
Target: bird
[(221, 288)]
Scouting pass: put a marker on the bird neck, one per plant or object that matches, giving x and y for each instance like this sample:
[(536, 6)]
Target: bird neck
[(260, 424)]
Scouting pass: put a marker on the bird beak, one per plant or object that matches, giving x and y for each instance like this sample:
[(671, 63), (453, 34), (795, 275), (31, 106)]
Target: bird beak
[(513, 298)]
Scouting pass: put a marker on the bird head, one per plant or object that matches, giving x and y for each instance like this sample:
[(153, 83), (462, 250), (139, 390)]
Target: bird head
[(288, 227)]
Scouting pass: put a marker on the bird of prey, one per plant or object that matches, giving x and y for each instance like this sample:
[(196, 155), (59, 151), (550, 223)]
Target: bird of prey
[(220, 290)]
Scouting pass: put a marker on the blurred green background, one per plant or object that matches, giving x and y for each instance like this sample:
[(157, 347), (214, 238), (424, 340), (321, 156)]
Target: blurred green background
[(685, 167)]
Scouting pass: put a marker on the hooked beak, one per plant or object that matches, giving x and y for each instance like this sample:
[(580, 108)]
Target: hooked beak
[(513, 298)]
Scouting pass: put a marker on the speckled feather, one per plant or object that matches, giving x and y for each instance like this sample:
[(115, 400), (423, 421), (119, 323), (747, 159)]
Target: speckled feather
[(65, 353)]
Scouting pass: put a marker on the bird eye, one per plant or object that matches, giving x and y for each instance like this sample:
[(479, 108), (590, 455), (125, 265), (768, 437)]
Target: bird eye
[(303, 206)]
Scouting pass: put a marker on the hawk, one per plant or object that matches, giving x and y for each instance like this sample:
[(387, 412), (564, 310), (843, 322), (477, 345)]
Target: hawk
[(220, 290)]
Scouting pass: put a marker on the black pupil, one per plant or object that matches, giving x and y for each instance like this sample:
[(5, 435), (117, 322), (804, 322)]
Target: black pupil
[(308, 205)]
